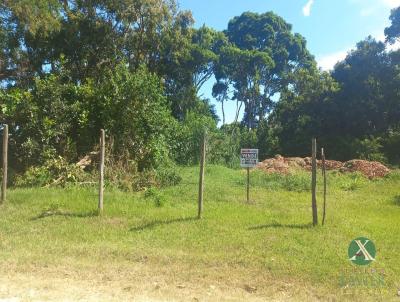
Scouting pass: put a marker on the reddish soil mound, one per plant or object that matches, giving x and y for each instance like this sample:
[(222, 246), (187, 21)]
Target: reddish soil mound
[(284, 165), (371, 169)]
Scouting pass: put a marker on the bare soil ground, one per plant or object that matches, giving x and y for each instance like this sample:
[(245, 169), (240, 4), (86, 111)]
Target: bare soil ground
[(142, 284), (283, 165)]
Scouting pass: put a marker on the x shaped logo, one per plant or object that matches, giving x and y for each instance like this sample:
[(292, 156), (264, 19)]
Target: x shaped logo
[(362, 251)]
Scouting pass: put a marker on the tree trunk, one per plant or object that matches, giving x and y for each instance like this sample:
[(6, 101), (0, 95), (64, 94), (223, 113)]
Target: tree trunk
[(223, 112)]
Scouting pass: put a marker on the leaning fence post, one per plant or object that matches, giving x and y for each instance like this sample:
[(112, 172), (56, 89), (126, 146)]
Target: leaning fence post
[(201, 178), (314, 182), (101, 179), (5, 164), (324, 176)]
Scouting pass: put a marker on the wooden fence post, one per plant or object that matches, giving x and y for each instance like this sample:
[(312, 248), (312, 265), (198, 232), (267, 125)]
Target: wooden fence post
[(201, 178), (101, 170), (248, 185), (5, 164), (324, 176), (314, 182)]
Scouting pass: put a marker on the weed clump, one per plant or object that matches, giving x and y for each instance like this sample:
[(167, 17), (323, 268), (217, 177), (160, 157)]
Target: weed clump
[(156, 196)]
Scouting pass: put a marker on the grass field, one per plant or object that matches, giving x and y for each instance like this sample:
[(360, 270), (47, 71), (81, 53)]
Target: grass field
[(151, 247)]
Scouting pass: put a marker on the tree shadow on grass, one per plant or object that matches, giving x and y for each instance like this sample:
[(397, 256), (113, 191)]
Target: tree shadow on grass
[(279, 225), (49, 213), (396, 200), (156, 223)]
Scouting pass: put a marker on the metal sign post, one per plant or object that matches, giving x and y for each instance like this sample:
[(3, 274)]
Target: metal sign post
[(248, 159)]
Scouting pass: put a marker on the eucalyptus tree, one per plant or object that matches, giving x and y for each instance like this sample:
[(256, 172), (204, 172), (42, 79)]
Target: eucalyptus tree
[(260, 54)]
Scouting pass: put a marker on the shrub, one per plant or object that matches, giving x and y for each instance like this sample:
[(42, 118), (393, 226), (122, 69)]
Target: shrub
[(155, 195), (168, 175), (124, 174), (54, 171), (352, 181), (370, 149), (188, 136)]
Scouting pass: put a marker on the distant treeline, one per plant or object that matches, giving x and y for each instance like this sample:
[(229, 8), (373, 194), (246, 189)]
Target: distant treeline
[(135, 67)]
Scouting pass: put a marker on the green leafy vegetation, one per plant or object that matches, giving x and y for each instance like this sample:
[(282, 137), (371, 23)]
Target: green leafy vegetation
[(136, 71)]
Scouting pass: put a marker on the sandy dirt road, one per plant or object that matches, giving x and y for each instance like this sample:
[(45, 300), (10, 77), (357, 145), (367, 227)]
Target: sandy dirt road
[(141, 284)]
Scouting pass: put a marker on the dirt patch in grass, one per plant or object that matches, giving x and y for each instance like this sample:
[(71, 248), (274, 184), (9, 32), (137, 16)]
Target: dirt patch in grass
[(144, 283)]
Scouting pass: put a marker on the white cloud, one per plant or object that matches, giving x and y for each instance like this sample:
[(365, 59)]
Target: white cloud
[(366, 12), (370, 7), (327, 62), (392, 47), (390, 3), (386, 3), (307, 8), (380, 36)]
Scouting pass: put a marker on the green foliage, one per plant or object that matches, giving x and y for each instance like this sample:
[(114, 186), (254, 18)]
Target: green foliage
[(156, 196), (223, 149), (136, 71), (393, 176), (353, 112), (223, 145), (59, 118), (391, 146), (260, 54), (168, 175), (124, 175), (53, 172), (352, 182), (133, 110), (392, 32), (370, 149), (189, 136), (302, 113), (47, 121)]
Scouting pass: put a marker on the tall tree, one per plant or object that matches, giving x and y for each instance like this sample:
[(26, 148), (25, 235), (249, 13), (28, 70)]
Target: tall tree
[(262, 51), (90, 37), (19, 22), (305, 110), (392, 32), (354, 112), (367, 78)]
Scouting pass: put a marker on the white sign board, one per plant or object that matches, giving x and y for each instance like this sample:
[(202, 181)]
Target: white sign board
[(248, 158)]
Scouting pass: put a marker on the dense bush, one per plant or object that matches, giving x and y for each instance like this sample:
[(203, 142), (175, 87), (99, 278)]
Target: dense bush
[(58, 118), (370, 149), (55, 171)]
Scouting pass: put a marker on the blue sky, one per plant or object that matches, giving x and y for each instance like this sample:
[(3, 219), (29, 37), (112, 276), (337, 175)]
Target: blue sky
[(331, 27)]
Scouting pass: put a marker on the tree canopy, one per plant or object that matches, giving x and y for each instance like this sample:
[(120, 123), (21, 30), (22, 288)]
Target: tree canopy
[(257, 59), (136, 68), (393, 31)]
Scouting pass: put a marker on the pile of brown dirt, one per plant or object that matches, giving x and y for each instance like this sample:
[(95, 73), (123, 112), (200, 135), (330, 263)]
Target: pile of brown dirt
[(283, 165), (371, 169)]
